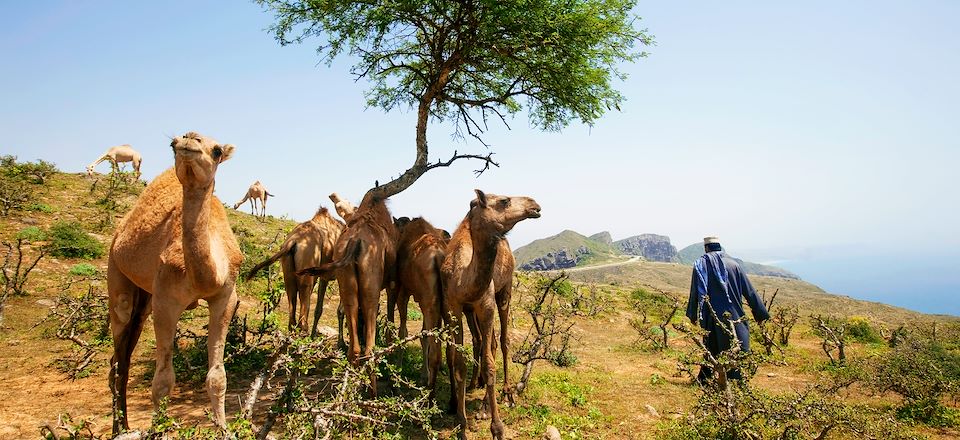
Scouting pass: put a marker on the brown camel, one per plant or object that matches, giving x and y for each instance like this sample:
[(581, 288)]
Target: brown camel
[(363, 264), (256, 192), (470, 276), (116, 156), (174, 248), (309, 244), (420, 254), (344, 208)]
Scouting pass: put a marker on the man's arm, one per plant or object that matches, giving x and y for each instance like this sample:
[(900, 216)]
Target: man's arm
[(760, 312), (693, 302)]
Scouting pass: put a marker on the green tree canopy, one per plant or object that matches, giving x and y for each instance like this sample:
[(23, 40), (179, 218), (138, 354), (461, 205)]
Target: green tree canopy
[(473, 61)]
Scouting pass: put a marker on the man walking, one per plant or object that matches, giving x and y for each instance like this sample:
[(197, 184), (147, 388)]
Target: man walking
[(719, 279)]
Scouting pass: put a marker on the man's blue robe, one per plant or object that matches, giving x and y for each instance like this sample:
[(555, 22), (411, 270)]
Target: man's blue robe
[(718, 278)]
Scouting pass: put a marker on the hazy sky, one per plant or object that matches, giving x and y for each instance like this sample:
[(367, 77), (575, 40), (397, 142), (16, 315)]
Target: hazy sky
[(773, 125)]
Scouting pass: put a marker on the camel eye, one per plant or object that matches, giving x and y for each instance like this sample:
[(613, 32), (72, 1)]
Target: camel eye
[(217, 152), (504, 203)]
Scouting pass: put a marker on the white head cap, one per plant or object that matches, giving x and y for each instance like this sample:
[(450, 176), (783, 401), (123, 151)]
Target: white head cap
[(709, 240)]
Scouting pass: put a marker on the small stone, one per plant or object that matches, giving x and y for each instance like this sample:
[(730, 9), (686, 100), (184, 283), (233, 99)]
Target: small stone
[(653, 411), (771, 374), (46, 302), (29, 221), (552, 433), (327, 331)]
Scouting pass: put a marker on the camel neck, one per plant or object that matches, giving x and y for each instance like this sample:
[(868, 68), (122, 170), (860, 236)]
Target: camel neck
[(485, 243), (200, 265)]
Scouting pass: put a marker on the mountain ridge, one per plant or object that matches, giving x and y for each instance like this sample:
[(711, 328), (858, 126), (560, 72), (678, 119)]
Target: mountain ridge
[(569, 249)]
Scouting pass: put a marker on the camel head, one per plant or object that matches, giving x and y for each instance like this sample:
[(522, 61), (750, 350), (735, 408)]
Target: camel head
[(196, 158), (344, 208), (90, 170), (400, 223), (502, 212)]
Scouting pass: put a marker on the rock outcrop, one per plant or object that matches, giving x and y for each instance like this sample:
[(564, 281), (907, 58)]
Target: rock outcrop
[(561, 259), (652, 247)]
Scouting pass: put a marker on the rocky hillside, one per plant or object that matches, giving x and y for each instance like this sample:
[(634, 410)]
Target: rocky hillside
[(652, 247), (571, 249), (565, 250)]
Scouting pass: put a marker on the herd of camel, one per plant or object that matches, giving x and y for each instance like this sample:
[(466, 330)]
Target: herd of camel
[(175, 247)]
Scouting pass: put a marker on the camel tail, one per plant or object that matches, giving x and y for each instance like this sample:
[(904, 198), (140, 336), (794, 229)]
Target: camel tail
[(326, 271), (286, 248), (269, 194), (437, 265), (123, 344)]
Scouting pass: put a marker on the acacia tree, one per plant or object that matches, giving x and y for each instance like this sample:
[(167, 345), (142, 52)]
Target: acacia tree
[(473, 61)]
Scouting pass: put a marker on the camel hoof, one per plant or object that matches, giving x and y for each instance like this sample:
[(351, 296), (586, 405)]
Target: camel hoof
[(497, 430)]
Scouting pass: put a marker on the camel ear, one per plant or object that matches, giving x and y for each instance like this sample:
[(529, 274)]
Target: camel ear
[(227, 152), (481, 199)]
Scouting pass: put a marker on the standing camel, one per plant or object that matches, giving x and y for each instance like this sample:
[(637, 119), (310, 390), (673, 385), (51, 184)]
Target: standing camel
[(309, 244), (256, 192), (117, 155), (420, 254), (174, 248), (470, 273), (363, 264)]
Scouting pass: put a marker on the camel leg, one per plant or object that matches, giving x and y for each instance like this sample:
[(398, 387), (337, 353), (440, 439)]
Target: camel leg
[(369, 311), (503, 310), (393, 296), (431, 346), (129, 307), (221, 312), (305, 288), (166, 313), (476, 379), (341, 315), (404, 302), (253, 207), (458, 369), (291, 284), (485, 318), (263, 207), (321, 293)]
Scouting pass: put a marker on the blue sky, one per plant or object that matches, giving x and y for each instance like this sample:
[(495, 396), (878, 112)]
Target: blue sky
[(779, 127)]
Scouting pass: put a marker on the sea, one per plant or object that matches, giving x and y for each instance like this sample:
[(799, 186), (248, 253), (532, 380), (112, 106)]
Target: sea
[(925, 282)]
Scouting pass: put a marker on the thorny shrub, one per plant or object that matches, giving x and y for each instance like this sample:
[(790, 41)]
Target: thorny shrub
[(923, 371), (548, 303), (112, 195), (80, 315)]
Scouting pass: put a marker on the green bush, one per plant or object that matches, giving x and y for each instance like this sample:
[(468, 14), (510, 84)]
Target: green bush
[(33, 172), (31, 233), (922, 371), (40, 207), (860, 330), (69, 240), (83, 269)]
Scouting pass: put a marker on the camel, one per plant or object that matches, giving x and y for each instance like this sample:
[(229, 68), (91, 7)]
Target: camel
[(174, 248), (116, 156), (256, 192), (344, 208), (363, 264), (475, 276), (309, 244), (420, 254)]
